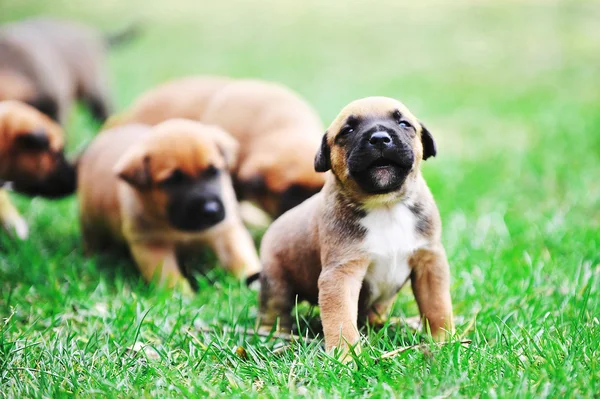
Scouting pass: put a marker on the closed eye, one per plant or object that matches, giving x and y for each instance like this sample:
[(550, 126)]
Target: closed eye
[(176, 178), (346, 130), (211, 171)]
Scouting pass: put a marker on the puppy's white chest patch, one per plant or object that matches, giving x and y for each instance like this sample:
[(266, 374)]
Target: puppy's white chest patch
[(390, 241)]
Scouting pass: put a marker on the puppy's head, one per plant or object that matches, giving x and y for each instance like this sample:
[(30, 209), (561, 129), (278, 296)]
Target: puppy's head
[(181, 173), (31, 152), (374, 146)]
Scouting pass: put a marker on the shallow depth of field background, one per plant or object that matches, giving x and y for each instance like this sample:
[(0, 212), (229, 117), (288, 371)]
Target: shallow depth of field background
[(511, 92)]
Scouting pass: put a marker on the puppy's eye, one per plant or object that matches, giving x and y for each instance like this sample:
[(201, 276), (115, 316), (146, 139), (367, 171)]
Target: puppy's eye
[(176, 178), (346, 131), (211, 171), (404, 124)]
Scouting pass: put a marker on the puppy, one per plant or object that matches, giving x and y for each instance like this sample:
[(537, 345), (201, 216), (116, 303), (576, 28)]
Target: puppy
[(32, 158), (277, 130), (374, 225), (161, 191), (49, 62)]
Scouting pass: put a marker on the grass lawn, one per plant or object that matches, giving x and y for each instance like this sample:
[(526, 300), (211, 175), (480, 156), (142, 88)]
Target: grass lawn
[(510, 90)]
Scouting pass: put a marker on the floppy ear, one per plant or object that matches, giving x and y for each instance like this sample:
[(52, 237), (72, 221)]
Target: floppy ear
[(323, 157), (429, 147), (229, 148), (36, 140), (134, 168)]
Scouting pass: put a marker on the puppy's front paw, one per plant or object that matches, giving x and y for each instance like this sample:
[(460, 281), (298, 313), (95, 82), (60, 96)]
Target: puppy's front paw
[(15, 225), (184, 287), (345, 353)]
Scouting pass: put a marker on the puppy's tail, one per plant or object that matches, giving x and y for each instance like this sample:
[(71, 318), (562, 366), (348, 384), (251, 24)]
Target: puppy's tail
[(116, 39)]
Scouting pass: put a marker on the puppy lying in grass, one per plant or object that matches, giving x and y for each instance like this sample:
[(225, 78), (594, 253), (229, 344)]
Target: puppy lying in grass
[(162, 191), (373, 227), (32, 159)]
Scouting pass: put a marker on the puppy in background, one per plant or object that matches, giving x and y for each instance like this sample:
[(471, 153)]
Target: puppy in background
[(49, 63), (373, 227), (277, 130), (32, 159), (163, 191)]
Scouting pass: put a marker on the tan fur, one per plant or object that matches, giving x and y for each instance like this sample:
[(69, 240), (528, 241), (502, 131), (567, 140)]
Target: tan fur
[(315, 251), (277, 130), (53, 60), (15, 86), (17, 119), (113, 211)]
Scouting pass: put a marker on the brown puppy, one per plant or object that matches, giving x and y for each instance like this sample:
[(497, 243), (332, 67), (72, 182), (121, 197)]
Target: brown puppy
[(374, 225), (163, 190), (278, 132), (32, 158), (48, 63)]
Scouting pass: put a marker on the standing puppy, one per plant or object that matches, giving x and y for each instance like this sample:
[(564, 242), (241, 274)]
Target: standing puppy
[(374, 225), (161, 191), (277, 130), (32, 158)]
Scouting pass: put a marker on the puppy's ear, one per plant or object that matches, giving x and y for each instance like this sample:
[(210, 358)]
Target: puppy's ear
[(229, 148), (33, 141), (323, 157), (429, 147), (134, 168)]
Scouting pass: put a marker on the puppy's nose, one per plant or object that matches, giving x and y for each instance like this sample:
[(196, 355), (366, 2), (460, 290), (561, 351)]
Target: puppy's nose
[(380, 139), (212, 207)]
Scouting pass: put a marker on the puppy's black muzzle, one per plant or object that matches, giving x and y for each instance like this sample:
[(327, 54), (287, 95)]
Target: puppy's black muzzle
[(60, 183), (380, 158), (196, 211)]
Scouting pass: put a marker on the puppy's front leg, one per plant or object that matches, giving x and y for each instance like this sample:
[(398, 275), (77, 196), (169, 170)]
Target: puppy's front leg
[(339, 289), (430, 279), (155, 259), (236, 251), (10, 218)]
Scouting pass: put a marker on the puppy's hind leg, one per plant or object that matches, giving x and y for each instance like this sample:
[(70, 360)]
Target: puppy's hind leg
[(98, 106), (276, 302), (10, 218)]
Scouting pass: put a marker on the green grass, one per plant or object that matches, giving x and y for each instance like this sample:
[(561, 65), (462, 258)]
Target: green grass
[(511, 92)]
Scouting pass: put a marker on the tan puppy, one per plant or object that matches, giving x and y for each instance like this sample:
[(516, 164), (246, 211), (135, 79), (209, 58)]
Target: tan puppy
[(48, 63), (32, 158), (374, 225), (163, 190), (278, 132)]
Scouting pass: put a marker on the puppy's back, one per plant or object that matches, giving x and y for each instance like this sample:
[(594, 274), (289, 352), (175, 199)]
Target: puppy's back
[(181, 98), (250, 108), (97, 183)]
